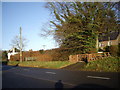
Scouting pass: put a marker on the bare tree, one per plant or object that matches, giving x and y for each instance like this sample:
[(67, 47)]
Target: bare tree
[(16, 42)]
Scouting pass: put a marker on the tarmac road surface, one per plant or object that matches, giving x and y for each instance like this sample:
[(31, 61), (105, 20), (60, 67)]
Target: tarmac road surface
[(27, 77)]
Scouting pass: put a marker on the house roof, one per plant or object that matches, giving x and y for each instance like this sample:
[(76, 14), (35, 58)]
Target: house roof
[(113, 36)]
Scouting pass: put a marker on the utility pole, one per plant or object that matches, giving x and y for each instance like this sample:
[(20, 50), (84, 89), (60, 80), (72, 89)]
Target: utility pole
[(20, 44)]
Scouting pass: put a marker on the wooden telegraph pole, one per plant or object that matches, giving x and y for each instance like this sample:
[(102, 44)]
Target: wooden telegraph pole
[(20, 44)]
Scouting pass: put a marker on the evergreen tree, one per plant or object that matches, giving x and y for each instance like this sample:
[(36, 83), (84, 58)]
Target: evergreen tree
[(78, 25)]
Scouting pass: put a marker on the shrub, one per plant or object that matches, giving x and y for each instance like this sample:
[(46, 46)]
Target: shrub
[(114, 50), (93, 50), (60, 55), (107, 49), (100, 50), (4, 55), (41, 51)]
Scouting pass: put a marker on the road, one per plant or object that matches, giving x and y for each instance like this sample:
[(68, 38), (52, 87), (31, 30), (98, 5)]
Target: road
[(26, 77)]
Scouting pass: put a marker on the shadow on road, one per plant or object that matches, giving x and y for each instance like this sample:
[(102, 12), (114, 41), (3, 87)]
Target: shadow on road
[(75, 66), (59, 85), (7, 67), (89, 86), (16, 65)]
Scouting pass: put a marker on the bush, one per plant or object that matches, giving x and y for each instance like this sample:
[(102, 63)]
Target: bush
[(4, 55), (107, 49), (114, 50), (41, 51), (60, 55), (93, 50), (100, 50)]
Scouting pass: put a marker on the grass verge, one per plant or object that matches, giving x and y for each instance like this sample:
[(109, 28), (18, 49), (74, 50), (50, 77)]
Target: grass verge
[(109, 64), (42, 64), (13, 63)]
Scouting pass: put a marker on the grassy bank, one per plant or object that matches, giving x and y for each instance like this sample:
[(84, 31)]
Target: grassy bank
[(110, 64), (42, 64), (13, 63)]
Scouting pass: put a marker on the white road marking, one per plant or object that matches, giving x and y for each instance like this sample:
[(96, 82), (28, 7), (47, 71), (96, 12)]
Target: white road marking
[(51, 72), (98, 77)]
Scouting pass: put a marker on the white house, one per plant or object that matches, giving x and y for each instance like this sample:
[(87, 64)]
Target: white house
[(12, 53)]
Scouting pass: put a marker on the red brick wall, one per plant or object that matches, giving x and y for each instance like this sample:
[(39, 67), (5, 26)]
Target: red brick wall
[(34, 54)]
